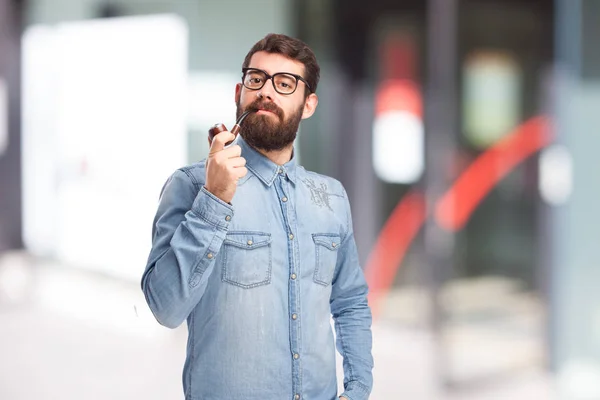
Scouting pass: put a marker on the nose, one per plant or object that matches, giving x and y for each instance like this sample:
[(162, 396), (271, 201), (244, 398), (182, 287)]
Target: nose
[(268, 90)]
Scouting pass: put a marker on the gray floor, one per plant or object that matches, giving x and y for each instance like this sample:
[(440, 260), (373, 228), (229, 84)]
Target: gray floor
[(70, 334)]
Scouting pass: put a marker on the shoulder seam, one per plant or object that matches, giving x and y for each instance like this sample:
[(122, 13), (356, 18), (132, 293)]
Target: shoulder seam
[(187, 171)]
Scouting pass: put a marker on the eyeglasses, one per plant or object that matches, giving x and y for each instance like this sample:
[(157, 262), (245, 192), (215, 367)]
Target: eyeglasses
[(283, 82)]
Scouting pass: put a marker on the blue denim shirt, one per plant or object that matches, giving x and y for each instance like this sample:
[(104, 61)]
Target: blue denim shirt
[(258, 281)]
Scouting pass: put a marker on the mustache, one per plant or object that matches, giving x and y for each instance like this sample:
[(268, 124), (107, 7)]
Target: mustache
[(265, 105)]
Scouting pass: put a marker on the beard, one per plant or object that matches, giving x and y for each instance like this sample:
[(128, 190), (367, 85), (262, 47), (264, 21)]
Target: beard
[(269, 132)]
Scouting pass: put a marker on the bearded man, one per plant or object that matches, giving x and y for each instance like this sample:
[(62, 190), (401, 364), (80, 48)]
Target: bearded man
[(257, 254)]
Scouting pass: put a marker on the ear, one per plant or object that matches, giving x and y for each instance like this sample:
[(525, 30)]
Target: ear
[(310, 105), (238, 92)]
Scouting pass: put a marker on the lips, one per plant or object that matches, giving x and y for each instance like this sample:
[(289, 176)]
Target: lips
[(264, 107)]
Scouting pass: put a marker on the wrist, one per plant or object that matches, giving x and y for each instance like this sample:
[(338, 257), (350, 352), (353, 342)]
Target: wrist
[(220, 194)]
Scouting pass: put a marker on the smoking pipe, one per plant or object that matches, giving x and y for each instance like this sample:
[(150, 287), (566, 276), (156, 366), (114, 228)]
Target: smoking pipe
[(218, 128)]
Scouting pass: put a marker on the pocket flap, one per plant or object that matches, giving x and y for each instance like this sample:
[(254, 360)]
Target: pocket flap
[(248, 240), (329, 240)]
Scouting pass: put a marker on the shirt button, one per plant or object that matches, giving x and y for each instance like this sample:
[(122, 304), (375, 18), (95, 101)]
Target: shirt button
[(294, 316), (280, 170), (297, 397), (284, 199), (228, 218), (333, 244), (210, 255), (296, 356), (249, 242), (293, 276), (291, 236)]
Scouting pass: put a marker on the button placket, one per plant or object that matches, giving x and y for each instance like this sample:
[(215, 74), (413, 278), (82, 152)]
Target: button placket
[(285, 194)]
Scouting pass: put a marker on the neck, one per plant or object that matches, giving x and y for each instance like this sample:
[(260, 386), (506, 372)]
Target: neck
[(279, 157)]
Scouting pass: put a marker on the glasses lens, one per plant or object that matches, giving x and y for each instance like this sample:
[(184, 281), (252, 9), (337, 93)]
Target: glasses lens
[(254, 79), (285, 83)]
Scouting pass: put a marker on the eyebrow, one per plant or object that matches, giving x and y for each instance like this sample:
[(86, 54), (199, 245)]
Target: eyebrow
[(278, 72)]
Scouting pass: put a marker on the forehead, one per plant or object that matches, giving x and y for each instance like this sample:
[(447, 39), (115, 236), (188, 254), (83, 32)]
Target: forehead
[(273, 63)]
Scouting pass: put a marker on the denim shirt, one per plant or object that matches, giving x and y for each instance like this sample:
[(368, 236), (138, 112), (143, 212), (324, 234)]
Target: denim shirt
[(258, 280)]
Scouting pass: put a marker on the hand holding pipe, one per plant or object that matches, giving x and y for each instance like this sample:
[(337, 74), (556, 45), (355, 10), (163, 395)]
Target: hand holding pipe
[(218, 128)]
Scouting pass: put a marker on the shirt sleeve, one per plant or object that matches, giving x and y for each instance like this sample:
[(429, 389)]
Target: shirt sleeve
[(188, 231), (352, 316)]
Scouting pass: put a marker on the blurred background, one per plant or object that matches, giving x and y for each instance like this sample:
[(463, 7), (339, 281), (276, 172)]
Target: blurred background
[(465, 131)]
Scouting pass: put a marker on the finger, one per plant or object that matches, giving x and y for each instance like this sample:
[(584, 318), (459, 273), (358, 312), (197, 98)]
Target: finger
[(232, 151), (240, 172), (237, 162), (218, 143)]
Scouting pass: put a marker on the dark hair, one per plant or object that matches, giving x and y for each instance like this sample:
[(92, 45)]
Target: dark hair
[(291, 48)]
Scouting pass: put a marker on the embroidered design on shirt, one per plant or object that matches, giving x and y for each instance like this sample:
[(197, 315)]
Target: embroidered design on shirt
[(319, 195)]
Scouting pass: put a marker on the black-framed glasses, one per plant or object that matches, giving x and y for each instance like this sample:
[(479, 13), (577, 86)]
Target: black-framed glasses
[(284, 82)]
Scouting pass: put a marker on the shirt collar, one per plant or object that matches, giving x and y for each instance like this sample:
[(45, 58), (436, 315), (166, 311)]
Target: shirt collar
[(265, 169)]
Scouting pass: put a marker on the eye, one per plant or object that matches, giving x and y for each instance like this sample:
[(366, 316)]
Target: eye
[(286, 82), (254, 78)]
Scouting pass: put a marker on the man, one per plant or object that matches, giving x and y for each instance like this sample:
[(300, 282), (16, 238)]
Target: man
[(256, 253)]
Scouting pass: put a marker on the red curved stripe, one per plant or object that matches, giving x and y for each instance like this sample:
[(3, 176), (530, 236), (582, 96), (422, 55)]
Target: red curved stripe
[(392, 244), (454, 208)]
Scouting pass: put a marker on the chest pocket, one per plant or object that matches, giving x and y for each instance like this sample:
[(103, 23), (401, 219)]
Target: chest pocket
[(246, 260), (326, 251)]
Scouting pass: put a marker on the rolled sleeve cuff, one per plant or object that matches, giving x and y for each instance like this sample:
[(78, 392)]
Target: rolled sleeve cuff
[(213, 210), (356, 391)]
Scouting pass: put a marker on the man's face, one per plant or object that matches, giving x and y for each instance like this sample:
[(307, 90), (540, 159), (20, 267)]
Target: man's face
[(275, 125)]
